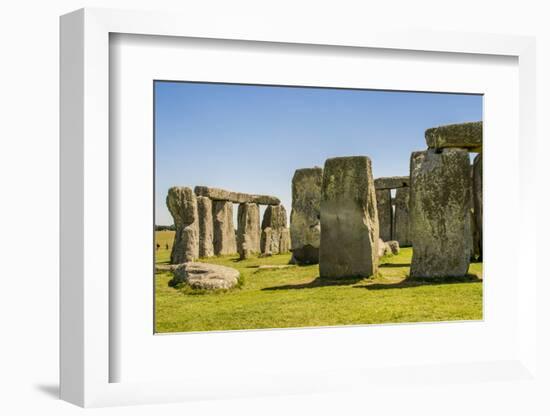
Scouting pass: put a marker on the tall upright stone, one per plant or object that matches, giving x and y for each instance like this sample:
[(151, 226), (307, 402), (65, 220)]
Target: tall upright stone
[(248, 230), (385, 213), (182, 204), (440, 200), (224, 230), (349, 219), (478, 204), (305, 226), (206, 227), (273, 226), (401, 224)]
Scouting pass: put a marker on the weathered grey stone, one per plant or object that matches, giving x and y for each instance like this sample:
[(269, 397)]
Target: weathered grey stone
[(440, 213), (248, 230), (284, 241), (381, 248), (269, 244), (349, 219), (218, 194), (463, 135), (182, 204), (305, 228), (385, 213), (392, 247), (391, 182), (478, 205), (401, 224), (273, 226), (224, 230), (206, 227), (206, 276)]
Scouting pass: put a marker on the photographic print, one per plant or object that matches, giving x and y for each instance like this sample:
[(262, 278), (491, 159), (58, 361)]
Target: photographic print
[(288, 207)]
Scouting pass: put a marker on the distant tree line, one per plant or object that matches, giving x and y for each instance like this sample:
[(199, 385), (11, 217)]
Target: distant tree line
[(165, 227)]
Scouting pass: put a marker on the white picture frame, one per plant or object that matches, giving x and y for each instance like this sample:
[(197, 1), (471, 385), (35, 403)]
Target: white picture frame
[(87, 356)]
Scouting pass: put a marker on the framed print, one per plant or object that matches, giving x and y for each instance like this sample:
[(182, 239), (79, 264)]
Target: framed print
[(268, 212)]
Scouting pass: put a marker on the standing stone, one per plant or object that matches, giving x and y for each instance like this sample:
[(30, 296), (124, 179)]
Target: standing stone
[(273, 224), (401, 232), (349, 219), (284, 241), (478, 204), (305, 227), (385, 213), (206, 227), (248, 230), (224, 230), (182, 204), (440, 213)]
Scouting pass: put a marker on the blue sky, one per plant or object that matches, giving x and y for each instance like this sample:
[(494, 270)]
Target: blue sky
[(252, 138)]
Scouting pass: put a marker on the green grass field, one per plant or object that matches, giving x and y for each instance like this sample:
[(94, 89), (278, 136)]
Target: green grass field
[(297, 297)]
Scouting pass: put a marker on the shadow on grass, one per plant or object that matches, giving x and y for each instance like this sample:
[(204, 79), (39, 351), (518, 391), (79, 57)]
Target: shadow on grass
[(318, 282), (414, 282)]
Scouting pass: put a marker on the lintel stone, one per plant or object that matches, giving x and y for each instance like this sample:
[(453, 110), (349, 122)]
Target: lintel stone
[(464, 135), (391, 182), (218, 194)]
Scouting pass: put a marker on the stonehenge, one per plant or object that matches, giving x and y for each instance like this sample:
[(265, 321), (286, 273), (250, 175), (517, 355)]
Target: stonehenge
[(477, 183), (204, 276), (182, 204), (464, 136), (401, 222), (305, 225), (393, 213), (275, 236), (391, 182), (444, 186), (217, 194), (224, 231), (248, 231), (349, 219), (205, 227), (344, 220), (440, 213), (385, 213)]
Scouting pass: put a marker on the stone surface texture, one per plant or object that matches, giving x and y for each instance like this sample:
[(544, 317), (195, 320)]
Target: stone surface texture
[(182, 204), (477, 181), (206, 227), (349, 219), (218, 194), (284, 241), (248, 230), (224, 231), (305, 228), (385, 213), (381, 248), (391, 182), (392, 247), (206, 276), (273, 230), (401, 224), (440, 218), (463, 135)]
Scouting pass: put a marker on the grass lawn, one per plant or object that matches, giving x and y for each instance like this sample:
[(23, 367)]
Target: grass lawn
[(297, 297)]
